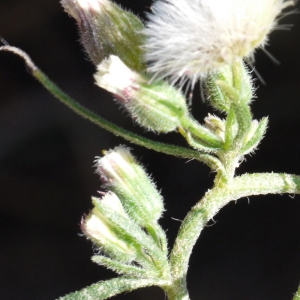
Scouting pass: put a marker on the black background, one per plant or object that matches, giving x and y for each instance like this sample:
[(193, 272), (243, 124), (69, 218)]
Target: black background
[(251, 252)]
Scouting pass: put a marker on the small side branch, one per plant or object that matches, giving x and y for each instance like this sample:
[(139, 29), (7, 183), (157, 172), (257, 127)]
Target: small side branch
[(178, 151)]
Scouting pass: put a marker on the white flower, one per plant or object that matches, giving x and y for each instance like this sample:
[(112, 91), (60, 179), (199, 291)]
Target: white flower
[(96, 225), (91, 4), (192, 38), (154, 105), (105, 234), (114, 76)]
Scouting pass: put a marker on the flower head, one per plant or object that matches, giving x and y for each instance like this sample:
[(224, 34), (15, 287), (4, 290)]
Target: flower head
[(156, 106), (192, 38)]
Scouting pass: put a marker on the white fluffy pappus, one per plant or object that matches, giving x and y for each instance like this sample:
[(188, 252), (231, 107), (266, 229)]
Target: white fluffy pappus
[(189, 39)]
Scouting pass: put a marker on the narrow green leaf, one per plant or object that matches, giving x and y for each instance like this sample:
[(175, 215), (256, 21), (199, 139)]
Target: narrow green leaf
[(241, 110), (230, 129), (243, 117), (242, 81), (216, 97), (122, 268), (106, 289), (256, 138), (159, 236), (229, 91)]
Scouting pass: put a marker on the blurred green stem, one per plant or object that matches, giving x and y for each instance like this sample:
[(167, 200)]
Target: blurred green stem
[(297, 295)]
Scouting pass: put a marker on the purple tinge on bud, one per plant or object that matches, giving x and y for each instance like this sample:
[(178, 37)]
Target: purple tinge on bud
[(81, 9), (106, 29), (85, 13)]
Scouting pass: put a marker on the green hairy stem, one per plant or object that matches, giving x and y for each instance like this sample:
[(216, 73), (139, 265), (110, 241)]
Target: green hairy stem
[(242, 186)]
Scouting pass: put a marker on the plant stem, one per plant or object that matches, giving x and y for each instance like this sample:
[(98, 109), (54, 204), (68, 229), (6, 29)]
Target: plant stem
[(201, 132), (208, 207), (177, 291), (103, 123)]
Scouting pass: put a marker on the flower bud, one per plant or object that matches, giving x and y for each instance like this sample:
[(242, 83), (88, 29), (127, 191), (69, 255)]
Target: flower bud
[(216, 97), (98, 228), (156, 106), (237, 77), (120, 173), (216, 126), (106, 29)]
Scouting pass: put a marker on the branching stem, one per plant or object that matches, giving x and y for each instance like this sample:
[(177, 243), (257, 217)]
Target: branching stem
[(208, 207)]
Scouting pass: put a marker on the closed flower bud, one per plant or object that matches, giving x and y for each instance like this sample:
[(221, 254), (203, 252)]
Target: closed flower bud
[(156, 106), (120, 173), (216, 126), (98, 228), (192, 38), (106, 29), (237, 77)]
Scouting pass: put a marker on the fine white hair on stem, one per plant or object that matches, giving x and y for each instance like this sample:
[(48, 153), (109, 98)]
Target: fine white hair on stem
[(29, 63), (193, 38)]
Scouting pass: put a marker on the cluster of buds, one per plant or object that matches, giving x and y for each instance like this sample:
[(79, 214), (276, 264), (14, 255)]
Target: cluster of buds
[(113, 38), (131, 198), (230, 89), (207, 45), (211, 44)]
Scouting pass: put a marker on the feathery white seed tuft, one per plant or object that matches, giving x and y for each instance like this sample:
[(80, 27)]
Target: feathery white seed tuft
[(192, 38)]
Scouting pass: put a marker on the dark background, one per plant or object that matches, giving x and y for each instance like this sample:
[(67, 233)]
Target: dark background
[(251, 252)]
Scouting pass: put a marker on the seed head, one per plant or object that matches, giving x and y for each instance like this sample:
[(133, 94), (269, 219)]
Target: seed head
[(193, 38)]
